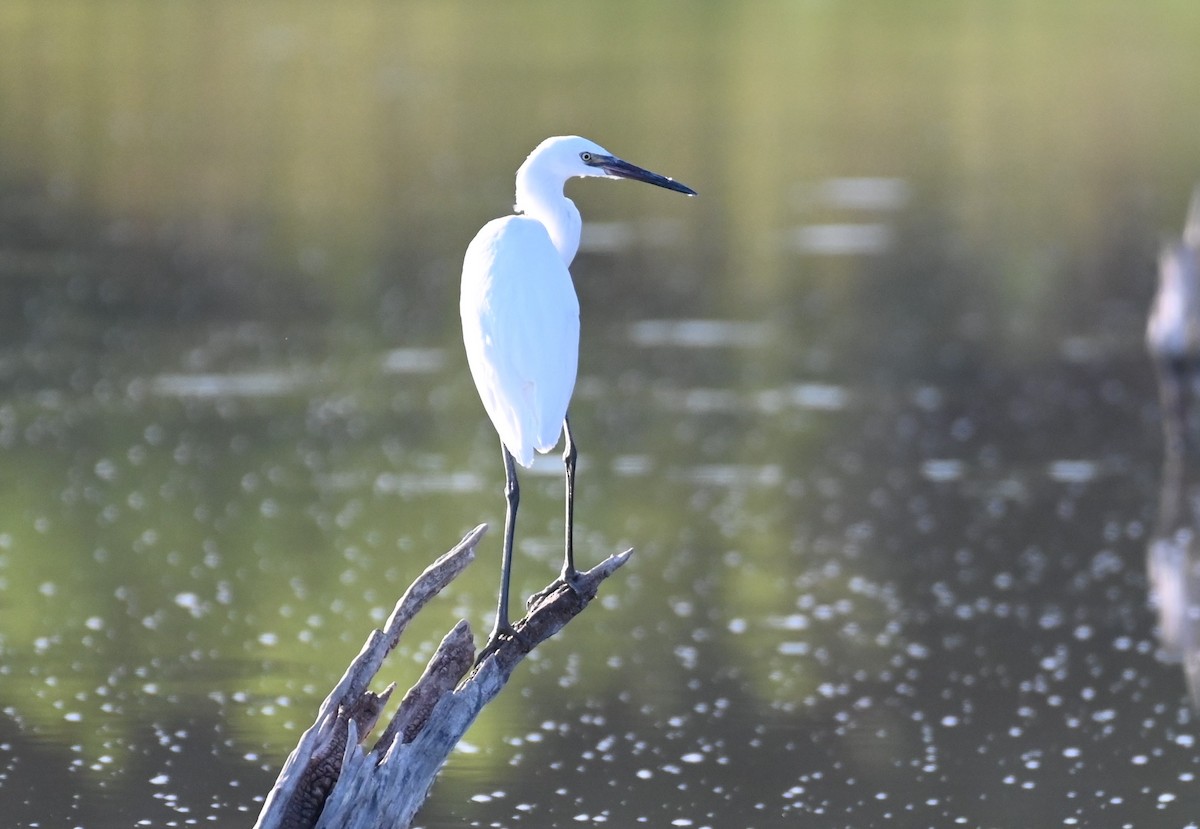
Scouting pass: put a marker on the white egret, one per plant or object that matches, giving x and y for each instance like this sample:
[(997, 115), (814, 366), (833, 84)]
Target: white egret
[(520, 320)]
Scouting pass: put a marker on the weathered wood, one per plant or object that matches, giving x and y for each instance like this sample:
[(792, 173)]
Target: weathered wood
[(329, 781)]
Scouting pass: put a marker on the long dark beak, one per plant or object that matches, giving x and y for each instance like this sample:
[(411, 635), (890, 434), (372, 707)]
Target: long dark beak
[(623, 169)]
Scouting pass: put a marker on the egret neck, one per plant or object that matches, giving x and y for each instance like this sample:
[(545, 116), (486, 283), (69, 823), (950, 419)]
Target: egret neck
[(540, 196)]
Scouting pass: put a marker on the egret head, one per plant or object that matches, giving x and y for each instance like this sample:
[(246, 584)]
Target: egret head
[(569, 156)]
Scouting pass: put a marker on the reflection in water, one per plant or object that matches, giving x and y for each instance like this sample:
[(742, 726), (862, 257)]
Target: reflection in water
[(864, 193), (841, 239), (424, 483), (805, 396), (731, 475), (1173, 568), (942, 469), (847, 238), (620, 237), (1073, 472), (698, 333), (816, 396), (1173, 554), (241, 384), (414, 360)]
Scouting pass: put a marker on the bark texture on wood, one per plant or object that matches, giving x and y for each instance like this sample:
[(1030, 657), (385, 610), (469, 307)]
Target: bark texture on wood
[(330, 780)]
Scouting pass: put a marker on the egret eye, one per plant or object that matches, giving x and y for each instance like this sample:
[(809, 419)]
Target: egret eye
[(585, 157)]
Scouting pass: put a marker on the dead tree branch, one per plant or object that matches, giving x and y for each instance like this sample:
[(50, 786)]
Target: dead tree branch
[(330, 780)]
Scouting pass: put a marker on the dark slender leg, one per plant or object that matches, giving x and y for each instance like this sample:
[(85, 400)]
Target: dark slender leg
[(569, 573), (512, 497)]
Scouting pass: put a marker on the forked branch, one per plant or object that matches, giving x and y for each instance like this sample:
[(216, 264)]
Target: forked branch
[(330, 780)]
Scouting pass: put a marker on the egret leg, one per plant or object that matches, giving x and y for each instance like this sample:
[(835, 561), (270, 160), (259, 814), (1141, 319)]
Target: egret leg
[(512, 497), (569, 573)]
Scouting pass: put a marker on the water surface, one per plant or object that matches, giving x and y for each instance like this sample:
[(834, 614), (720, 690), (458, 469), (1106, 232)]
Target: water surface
[(873, 409)]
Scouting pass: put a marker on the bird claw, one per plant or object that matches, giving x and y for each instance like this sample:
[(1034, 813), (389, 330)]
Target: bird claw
[(499, 636), (571, 580)]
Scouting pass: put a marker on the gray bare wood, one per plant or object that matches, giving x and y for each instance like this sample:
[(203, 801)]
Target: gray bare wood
[(331, 781)]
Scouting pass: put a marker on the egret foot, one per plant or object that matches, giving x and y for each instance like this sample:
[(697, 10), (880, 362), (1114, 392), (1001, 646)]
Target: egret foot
[(501, 634), (571, 580)]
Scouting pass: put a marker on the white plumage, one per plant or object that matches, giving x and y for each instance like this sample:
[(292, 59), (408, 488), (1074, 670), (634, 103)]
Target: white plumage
[(520, 321)]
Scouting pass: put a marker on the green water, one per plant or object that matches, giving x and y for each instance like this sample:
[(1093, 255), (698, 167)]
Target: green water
[(872, 409)]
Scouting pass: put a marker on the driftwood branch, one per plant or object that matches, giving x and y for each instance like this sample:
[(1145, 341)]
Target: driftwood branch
[(331, 780)]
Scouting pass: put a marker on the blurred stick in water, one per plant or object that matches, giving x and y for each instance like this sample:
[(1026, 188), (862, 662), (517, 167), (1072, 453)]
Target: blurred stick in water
[(1173, 330), (330, 780), (1173, 556)]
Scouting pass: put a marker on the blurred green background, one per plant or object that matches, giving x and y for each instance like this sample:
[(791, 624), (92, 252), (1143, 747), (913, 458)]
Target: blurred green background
[(235, 419)]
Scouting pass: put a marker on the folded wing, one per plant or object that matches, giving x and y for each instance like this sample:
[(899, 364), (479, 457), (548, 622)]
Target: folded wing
[(520, 319)]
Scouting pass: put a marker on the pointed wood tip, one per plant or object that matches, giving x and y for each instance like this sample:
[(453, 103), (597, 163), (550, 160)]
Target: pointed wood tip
[(472, 538), (609, 566)]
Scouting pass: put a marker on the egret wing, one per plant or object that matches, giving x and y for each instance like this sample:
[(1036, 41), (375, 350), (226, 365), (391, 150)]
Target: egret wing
[(520, 320)]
